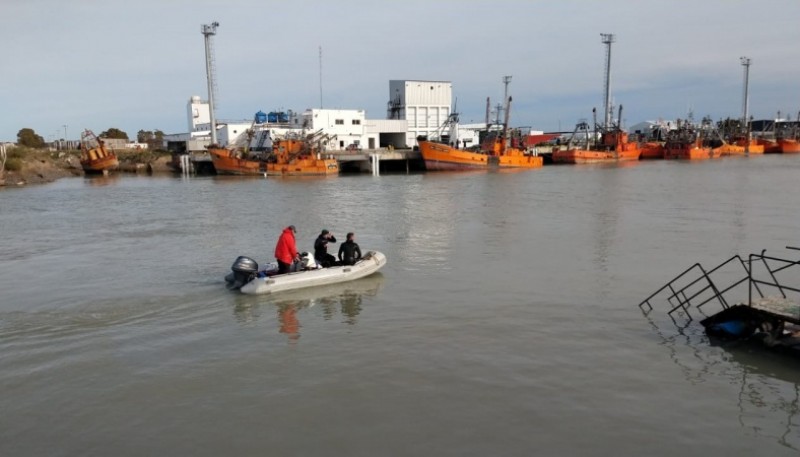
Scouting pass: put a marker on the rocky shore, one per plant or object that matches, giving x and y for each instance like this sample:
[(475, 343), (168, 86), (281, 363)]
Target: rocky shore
[(39, 167)]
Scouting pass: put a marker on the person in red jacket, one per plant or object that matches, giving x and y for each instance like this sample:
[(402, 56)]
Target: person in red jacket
[(286, 250)]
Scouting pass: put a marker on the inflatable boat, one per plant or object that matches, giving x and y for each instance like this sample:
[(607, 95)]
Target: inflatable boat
[(247, 278)]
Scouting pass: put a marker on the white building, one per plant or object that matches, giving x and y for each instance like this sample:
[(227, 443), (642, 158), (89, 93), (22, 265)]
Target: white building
[(344, 128), (424, 105), (650, 129), (198, 113)]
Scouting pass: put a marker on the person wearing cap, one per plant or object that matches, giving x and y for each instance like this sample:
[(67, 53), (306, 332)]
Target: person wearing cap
[(350, 250), (286, 250), (321, 249)]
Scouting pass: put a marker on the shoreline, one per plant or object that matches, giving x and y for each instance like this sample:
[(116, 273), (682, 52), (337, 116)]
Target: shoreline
[(43, 167)]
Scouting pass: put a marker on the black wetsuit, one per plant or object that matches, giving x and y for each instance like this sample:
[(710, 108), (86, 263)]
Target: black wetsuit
[(321, 251), (351, 252)]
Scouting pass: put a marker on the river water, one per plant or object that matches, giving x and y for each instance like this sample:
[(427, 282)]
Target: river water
[(505, 322)]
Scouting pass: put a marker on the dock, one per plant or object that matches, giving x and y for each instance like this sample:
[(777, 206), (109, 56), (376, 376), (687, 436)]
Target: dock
[(360, 161)]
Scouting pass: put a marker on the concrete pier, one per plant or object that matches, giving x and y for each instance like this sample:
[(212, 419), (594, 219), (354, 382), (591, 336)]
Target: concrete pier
[(360, 161), (374, 160)]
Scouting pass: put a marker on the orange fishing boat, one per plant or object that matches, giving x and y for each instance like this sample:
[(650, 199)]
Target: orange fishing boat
[(686, 143), (289, 157), (497, 151), (788, 146), (443, 157), (614, 145), (95, 157), (728, 149), (770, 146), (781, 137), (652, 150), (750, 146)]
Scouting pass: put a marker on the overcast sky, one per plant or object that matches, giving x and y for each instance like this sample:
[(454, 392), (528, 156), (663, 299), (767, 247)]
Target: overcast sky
[(134, 64)]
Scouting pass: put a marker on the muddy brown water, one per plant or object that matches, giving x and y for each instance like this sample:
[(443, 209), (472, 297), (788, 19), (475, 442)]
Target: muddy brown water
[(505, 323)]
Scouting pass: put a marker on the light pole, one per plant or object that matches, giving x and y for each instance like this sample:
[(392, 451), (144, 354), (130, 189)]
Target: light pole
[(209, 30), (746, 61), (607, 39)]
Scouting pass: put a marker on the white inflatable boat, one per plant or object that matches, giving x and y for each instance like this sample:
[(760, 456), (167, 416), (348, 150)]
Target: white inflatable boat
[(247, 278)]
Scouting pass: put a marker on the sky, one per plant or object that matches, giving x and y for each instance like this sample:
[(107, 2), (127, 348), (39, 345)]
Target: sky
[(134, 65)]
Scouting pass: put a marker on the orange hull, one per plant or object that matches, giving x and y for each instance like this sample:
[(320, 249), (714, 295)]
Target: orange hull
[(100, 165), (587, 156), (520, 161), (751, 146), (690, 152), (441, 157), (770, 147), (728, 149), (652, 151), (614, 148), (231, 163), (789, 146), (98, 160)]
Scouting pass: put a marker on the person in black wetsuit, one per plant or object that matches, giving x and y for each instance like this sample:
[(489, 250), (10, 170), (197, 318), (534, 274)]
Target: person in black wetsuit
[(349, 252), (321, 249)]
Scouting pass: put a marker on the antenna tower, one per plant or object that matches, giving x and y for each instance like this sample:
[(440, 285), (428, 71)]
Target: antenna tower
[(209, 30), (320, 77), (607, 39)]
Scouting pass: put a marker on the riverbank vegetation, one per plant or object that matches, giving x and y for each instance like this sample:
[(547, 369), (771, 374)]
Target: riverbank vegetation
[(26, 165)]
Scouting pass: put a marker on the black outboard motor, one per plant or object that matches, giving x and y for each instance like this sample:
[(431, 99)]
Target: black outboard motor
[(244, 270)]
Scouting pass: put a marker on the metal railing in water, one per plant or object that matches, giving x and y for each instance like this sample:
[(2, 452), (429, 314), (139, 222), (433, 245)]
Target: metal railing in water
[(695, 286)]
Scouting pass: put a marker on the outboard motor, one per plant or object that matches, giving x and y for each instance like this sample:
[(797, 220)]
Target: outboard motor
[(307, 262), (244, 270)]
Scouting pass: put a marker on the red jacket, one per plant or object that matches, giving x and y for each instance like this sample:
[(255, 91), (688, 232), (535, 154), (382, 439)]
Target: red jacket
[(286, 250)]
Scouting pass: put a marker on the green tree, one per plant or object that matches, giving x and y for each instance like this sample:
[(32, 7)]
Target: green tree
[(154, 140), (114, 133), (27, 137), (143, 136)]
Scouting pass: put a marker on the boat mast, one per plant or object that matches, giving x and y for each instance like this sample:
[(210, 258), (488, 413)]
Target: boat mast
[(505, 123), (507, 101), (607, 39), (208, 30)]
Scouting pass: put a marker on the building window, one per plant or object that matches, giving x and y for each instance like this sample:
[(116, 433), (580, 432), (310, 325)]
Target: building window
[(339, 121), (356, 121)]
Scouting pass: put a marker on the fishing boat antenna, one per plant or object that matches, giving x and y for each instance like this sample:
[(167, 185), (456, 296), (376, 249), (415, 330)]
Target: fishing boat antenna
[(506, 81), (607, 39), (209, 30)]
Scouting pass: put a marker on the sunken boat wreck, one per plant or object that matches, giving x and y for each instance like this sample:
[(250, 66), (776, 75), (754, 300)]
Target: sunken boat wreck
[(753, 297)]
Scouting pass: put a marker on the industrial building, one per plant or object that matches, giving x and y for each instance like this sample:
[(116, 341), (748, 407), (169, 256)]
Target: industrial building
[(424, 105), (415, 108)]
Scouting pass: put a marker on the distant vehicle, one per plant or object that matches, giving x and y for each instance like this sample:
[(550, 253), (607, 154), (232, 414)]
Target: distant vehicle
[(353, 147)]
